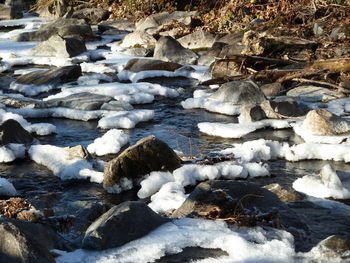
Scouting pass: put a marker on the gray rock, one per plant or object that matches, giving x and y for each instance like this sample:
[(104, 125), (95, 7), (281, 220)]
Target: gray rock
[(25, 242), (121, 224), (159, 19), (80, 101), (147, 155), (9, 12), (92, 15), (52, 76), (125, 25), (231, 39), (168, 49), (64, 27), (57, 46), (115, 105), (285, 194), (61, 7), (197, 39), (324, 123), (21, 102), (140, 52), (335, 246), (313, 94), (137, 65), (139, 39), (12, 132), (239, 92), (340, 33), (287, 108), (251, 197), (77, 151), (209, 57), (272, 89)]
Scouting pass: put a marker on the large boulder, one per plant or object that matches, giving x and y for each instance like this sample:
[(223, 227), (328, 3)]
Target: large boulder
[(64, 27), (325, 123), (25, 242), (226, 197), (138, 39), (12, 132), (137, 65), (121, 224), (160, 19), (198, 39), (168, 49), (80, 101), (239, 92), (57, 46), (334, 248), (147, 155), (9, 12), (91, 15), (53, 76)]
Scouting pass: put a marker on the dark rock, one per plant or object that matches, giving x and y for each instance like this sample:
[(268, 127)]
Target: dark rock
[(209, 57), (12, 132), (25, 242), (57, 46), (52, 76), (197, 39), (121, 224), (250, 196), (19, 5), (115, 105), (251, 113), (64, 27), (80, 101), (137, 65), (147, 155), (286, 108), (239, 92), (140, 52), (168, 49), (9, 12), (92, 15), (272, 89)]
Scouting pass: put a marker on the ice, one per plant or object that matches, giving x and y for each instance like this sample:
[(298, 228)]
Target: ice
[(31, 90), (325, 185), (124, 184), (242, 245), (96, 68), (57, 159), (170, 197), (125, 119), (257, 169), (110, 142), (202, 74), (192, 173), (11, 152), (309, 137), (28, 19), (238, 130), (136, 90), (153, 183), (93, 79), (7, 188), (95, 176), (211, 105), (38, 128)]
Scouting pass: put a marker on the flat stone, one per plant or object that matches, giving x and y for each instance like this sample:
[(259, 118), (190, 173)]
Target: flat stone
[(115, 105), (285, 194), (137, 65), (198, 39), (313, 94), (139, 39), (121, 224)]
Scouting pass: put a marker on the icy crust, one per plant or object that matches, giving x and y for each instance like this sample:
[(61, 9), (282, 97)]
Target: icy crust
[(309, 137), (11, 151), (25, 21), (201, 74), (238, 130), (110, 142), (37, 128), (327, 184), (31, 90), (136, 93), (167, 189), (241, 244), (61, 164), (108, 119), (7, 188), (125, 119)]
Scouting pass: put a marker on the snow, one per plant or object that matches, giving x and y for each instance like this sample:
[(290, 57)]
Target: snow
[(325, 185), (11, 152), (124, 185), (241, 244), (153, 183), (211, 105), (238, 130), (7, 188), (32, 90), (110, 142), (57, 159), (125, 119)]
